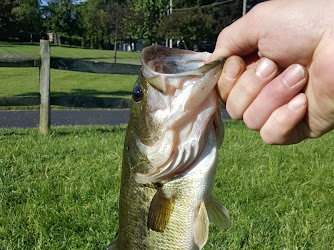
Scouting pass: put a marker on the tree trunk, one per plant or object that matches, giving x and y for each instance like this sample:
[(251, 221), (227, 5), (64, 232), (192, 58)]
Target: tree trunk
[(116, 30), (92, 42), (115, 47), (185, 45)]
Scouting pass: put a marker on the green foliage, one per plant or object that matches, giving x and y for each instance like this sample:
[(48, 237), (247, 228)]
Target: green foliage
[(61, 16), (61, 191), (192, 23), (144, 18), (100, 23), (20, 16), (189, 26), (28, 14), (6, 15)]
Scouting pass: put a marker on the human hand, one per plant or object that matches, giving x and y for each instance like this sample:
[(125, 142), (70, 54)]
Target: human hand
[(284, 84)]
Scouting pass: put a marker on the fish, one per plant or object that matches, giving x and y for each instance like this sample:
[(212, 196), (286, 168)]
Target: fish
[(170, 153)]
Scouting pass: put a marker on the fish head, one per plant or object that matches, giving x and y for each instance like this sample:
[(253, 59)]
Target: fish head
[(174, 109)]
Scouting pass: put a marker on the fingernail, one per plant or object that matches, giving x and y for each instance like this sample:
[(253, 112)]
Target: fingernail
[(293, 75), (296, 103), (265, 68), (232, 69)]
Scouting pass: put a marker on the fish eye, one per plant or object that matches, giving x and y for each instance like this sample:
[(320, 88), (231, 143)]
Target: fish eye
[(137, 93)]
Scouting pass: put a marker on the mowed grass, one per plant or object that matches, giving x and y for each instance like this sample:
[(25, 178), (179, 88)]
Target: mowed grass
[(70, 52), (61, 191), (25, 81)]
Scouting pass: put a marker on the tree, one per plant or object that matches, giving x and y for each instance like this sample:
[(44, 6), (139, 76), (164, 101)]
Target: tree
[(189, 26), (192, 23), (69, 24), (143, 18), (61, 16), (114, 12), (28, 16), (92, 13), (7, 23)]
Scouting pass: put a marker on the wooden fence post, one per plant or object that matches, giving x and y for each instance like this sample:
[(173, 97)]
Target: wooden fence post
[(44, 87)]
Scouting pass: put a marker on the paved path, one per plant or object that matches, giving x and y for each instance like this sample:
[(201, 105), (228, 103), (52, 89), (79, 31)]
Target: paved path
[(29, 118)]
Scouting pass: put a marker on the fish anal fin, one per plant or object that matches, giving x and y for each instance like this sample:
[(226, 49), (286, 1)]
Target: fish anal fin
[(218, 214), (160, 211), (201, 227)]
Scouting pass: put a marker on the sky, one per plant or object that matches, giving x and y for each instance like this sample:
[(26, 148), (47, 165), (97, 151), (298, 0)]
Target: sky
[(44, 2)]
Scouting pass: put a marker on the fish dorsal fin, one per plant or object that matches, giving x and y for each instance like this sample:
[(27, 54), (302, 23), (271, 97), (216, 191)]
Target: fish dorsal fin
[(218, 214), (201, 229), (160, 211)]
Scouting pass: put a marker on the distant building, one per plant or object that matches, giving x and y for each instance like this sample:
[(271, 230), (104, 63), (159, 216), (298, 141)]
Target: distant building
[(54, 38), (134, 46)]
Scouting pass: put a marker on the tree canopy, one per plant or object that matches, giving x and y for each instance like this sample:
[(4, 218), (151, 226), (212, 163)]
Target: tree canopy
[(100, 23)]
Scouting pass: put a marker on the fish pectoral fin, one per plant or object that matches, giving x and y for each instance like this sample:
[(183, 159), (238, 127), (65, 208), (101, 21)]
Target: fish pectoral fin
[(218, 214), (201, 227), (160, 211)]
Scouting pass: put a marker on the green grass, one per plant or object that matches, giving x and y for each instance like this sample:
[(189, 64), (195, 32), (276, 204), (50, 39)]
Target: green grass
[(61, 191), (25, 81), (68, 52)]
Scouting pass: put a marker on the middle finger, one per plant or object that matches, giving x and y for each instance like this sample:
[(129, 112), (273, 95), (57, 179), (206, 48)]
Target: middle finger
[(249, 85)]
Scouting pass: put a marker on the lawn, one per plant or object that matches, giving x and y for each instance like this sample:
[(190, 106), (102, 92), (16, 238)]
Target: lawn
[(68, 52), (25, 81), (61, 191)]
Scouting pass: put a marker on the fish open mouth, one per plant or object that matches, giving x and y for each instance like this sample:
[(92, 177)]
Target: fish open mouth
[(190, 112), (160, 59)]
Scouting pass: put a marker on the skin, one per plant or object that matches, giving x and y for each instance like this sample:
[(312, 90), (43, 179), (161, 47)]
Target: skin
[(279, 77)]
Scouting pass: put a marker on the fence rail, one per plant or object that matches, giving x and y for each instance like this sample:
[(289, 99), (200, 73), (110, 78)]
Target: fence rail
[(69, 101), (45, 63), (94, 67), (20, 61)]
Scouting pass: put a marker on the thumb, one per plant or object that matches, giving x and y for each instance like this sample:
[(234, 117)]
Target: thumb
[(241, 37)]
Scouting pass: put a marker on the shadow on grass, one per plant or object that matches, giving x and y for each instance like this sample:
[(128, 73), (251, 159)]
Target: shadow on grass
[(85, 58), (15, 44), (80, 98), (13, 132), (83, 92), (66, 131)]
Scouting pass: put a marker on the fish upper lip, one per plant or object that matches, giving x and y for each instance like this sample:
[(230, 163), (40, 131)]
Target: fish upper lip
[(202, 57), (157, 78)]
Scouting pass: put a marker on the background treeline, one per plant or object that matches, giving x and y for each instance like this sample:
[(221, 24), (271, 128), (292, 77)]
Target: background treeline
[(101, 23)]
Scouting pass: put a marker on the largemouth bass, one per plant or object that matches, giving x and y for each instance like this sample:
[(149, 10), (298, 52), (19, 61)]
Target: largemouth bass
[(170, 153)]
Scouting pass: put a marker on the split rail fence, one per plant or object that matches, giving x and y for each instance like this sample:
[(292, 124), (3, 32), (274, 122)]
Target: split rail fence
[(45, 62)]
